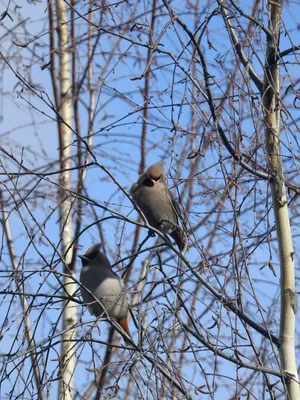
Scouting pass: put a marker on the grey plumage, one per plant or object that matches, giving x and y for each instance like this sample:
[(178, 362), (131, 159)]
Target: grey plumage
[(153, 197), (97, 276)]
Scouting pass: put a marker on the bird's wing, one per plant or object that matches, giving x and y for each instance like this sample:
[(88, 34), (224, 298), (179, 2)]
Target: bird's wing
[(176, 207)]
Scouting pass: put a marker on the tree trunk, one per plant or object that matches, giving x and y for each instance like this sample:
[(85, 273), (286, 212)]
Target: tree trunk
[(65, 111), (285, 246)]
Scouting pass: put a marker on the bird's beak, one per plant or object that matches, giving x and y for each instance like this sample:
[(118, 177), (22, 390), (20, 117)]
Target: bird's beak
[(83, 258)]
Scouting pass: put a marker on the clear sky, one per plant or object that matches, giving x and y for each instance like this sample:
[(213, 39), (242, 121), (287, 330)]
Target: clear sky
[(179, 124)]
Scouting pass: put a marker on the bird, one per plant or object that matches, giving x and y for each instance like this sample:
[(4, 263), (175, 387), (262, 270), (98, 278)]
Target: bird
[(153, 197), (98, 277)]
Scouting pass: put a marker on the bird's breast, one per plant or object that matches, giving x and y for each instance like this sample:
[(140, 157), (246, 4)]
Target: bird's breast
[(156, 204)]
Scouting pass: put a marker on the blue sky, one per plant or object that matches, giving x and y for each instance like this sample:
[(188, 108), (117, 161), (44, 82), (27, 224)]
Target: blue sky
[(32, 136)]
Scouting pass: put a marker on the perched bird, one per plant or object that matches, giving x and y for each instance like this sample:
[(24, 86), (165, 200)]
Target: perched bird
[(98, 277), (153, 197)]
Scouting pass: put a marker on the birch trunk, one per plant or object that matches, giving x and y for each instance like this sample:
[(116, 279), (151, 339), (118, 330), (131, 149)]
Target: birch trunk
[(65, 110), (285, 246)]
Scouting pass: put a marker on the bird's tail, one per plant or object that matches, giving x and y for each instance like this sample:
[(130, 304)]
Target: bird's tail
[(179, 238), (124, 324)]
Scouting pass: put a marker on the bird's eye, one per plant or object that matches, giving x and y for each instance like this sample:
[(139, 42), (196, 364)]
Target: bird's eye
[(148, 182), (93, 255)]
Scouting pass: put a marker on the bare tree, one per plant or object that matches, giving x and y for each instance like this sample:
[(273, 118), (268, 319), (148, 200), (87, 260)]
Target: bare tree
[(102, 90), (64, 107)]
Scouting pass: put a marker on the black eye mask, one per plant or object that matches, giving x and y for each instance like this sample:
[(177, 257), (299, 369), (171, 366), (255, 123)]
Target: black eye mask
[(93, 255), (90, 255), (148, 182)]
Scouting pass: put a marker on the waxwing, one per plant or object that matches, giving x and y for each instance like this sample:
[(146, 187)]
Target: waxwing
[(98, 277), (153, 197)]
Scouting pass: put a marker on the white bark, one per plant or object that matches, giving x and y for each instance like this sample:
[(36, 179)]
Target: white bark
[(65, 110), (280, 207)]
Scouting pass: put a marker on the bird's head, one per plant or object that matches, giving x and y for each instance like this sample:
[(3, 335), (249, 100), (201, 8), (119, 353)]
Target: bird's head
[(154, 174), (91, 254)]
